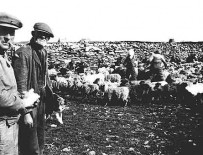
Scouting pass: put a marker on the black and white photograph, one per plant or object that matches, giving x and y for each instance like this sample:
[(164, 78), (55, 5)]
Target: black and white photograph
[(101, 77)]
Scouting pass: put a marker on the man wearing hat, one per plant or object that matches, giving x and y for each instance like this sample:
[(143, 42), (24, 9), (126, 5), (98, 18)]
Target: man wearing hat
[(131, 65), (30, 66), (11, 105), (157, 61)]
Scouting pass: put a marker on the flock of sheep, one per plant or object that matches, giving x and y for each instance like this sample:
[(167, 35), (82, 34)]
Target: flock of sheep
[(110, 89)]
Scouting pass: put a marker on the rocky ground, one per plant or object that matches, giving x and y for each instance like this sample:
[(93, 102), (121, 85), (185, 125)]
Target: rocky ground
[(134, 130)]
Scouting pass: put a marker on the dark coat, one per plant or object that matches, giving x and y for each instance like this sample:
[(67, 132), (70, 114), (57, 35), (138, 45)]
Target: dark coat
[(28, 70), (129, 63), (130, 68), (31, 71)]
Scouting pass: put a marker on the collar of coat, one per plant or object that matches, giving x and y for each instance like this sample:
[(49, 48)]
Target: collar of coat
[(36, 48)]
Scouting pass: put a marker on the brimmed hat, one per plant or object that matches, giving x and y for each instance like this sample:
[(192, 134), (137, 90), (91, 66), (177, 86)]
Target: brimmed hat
[(42, 27), (7, 20)]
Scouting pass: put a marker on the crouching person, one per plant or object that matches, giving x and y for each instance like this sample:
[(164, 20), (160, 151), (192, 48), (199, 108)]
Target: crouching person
[(11, 105), (31, 71)]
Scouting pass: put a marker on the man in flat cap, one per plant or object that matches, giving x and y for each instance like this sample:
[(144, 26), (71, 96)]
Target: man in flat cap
[(11, 105), (30, 66)]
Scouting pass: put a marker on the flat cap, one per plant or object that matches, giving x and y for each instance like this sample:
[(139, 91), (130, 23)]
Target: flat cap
[(8, 20), (43, 28)]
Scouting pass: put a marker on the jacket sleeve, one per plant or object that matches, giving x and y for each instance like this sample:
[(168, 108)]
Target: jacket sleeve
[(12, 103), (9, 99), (20, 65)]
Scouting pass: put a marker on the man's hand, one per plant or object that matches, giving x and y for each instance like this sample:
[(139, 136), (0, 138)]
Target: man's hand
[(28, 121)]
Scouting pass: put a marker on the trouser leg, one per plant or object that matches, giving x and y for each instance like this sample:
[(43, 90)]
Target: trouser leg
[(9, 137), (157, 75), (28, 141)]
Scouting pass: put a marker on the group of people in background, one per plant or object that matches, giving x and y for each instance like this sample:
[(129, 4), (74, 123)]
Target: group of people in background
[(155, 64), (130, 64)]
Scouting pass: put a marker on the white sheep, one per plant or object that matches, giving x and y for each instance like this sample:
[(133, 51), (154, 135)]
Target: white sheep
[(195, 88), (29, 98), (89, 90), (90, 78), (113, 93), (113, 78)]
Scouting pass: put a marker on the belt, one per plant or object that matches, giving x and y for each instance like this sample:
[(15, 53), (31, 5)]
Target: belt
[(9, 117), (9, 120)]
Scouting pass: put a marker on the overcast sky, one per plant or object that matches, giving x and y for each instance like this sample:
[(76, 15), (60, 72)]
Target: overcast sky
[(111, 20)]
